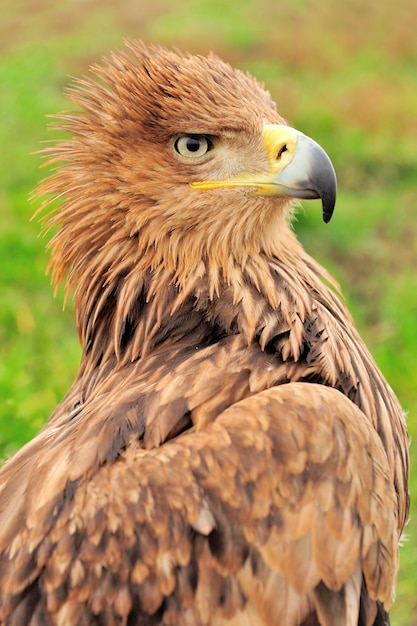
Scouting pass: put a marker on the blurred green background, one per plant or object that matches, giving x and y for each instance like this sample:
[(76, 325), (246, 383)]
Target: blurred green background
[(343, 72)]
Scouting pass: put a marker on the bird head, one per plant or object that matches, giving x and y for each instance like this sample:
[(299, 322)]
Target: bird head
[(175, 159)]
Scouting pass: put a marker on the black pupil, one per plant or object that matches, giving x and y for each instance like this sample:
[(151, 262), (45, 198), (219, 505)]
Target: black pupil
[(193, 144)]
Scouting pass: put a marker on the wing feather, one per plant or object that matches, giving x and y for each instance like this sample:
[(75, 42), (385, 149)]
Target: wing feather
[(129, 534)]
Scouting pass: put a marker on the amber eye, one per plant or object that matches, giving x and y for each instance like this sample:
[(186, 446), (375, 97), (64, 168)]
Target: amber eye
[(192, 146)]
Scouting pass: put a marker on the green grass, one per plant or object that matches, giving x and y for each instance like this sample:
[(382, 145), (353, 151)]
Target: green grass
[(342, 72)]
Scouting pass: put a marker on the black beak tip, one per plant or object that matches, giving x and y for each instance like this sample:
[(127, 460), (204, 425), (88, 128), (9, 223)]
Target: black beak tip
[(324, 182), (328, 204), (328, 191)]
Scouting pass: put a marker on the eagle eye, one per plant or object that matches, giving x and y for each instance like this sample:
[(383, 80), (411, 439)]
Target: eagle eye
[(192, 146)]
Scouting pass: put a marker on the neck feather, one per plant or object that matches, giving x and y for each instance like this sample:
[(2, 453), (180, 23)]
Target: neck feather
[(123, 311)]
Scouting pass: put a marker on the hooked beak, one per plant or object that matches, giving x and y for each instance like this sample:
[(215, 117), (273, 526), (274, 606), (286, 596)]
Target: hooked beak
[(298, 168)]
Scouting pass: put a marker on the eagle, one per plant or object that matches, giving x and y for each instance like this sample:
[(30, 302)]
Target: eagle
[(229, 453)]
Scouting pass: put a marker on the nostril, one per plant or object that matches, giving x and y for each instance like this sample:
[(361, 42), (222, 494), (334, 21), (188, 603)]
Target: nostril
[(281, 151)]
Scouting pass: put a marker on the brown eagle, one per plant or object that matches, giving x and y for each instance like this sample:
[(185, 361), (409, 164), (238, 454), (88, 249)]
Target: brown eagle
[(229, 453)]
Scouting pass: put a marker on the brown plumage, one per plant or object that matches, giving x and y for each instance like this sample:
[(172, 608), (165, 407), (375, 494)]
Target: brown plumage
[(229, 453)]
